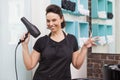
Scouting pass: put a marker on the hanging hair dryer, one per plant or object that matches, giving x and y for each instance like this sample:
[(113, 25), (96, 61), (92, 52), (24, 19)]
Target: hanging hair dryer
[(32, 29)]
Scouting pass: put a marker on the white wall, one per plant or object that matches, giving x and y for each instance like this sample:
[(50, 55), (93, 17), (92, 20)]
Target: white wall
[(10, 10), (81, 73), (38, 14), (38, 18), (117, 26)]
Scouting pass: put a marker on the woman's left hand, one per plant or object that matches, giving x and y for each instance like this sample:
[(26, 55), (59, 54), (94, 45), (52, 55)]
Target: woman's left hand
[(91, 42)]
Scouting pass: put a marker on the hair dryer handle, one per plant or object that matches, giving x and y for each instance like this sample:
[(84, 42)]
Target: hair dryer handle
[(26, 35)]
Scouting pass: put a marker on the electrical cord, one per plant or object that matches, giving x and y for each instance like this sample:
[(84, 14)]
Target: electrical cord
[(26, 35), (15, 60)]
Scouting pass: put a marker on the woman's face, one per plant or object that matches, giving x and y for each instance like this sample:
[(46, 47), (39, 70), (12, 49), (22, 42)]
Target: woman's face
[(53, 21)]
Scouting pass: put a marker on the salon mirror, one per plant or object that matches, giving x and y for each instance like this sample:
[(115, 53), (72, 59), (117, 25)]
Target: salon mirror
[(105, 23)]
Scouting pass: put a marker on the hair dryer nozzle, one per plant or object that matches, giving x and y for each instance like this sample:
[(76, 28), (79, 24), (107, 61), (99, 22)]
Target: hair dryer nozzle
[(32, 29)]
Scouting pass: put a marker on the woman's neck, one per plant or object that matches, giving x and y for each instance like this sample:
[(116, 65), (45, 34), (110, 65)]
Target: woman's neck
[(57, 36), (57, 33)]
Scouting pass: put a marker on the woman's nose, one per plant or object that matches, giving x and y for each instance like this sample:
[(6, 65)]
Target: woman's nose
[(51, 23)]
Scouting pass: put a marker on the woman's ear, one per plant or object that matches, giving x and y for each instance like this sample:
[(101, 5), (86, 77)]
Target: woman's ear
[(62, 19)]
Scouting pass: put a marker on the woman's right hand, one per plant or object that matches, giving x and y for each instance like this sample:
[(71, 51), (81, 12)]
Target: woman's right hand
[(26, 40)]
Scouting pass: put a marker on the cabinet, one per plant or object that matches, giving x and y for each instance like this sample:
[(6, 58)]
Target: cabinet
[(81, 7), (101, 8), (102, 17)]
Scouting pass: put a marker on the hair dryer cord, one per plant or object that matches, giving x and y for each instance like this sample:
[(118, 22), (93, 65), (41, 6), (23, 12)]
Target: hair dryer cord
[(26, 35), (16, 62)]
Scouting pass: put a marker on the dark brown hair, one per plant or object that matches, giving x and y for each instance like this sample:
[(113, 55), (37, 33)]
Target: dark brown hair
[(56, 9)]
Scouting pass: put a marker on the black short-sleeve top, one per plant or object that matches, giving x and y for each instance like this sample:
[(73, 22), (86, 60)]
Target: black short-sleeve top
[(55, 58)]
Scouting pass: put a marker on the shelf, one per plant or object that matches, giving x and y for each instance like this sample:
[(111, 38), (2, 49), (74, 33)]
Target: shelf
[(77, 11), (79, 29), (99, 9), (109, 36), (101, 30), (109, 6), (98, 30), (109, 30), (84, 29), (84, 3), (57, 2), (82, 32), (102, 5), (94, 9), (70, 27), (72, 12)]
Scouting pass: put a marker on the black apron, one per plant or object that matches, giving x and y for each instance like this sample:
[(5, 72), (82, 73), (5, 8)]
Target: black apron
[(55, 61)]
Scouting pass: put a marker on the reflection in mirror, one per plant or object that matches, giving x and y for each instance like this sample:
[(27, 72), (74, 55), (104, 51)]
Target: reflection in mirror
[(105, 24)]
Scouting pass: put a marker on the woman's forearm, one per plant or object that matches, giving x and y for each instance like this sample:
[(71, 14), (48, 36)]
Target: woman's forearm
[(82, 53), (26, 57), (81, 56)]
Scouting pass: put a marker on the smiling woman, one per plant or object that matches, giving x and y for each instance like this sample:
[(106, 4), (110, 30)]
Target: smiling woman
[(56, 51)]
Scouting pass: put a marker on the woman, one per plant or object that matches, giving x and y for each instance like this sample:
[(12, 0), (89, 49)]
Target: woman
[(56, 51)]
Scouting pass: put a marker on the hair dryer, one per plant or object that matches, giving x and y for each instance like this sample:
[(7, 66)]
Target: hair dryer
[(32, 29)]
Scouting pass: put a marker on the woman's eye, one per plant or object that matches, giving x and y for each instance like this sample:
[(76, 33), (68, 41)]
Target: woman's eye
[(48, 21), (54, 20)]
